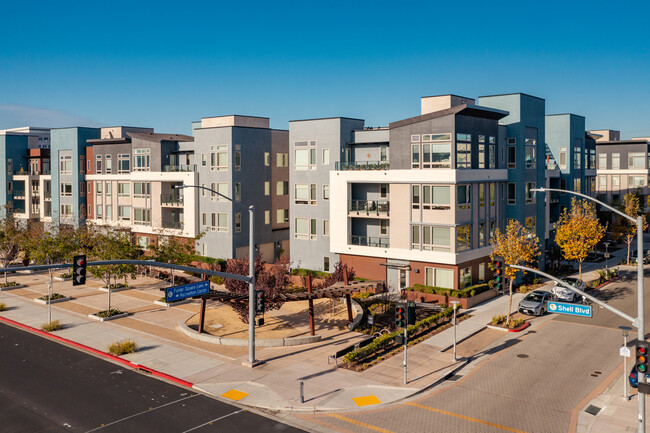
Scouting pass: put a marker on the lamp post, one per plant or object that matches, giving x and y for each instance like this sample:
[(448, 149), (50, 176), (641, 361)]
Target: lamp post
[(455, 305), (639, 322), (251, 272), (606, 257)]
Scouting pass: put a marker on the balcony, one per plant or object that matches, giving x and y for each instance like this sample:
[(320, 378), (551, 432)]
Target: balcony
[(179, 168), (19, 195), (47, 195), (176, 225), (362, 165), (171, 200), (368, 207), (369, 241)]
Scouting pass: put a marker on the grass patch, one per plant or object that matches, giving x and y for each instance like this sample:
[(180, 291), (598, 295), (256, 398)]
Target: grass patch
[(122, 347), (3, 306), (305, 272), (54, 296), (109, 313), (8, 284), (54, 325)]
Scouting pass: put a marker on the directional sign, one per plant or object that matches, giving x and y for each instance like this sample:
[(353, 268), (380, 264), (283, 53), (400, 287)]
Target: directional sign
[(187, 291), (570, 309), (624, 351)]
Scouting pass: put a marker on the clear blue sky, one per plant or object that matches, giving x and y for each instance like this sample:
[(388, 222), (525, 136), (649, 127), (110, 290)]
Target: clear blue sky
[(164, 64)]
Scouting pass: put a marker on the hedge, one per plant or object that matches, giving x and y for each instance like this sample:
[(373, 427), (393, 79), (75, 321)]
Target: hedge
[(387, 339), (308, 272), (467, 292)]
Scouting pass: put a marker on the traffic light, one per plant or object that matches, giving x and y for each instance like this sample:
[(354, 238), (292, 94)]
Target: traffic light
[(498, 265), (642, 357), (400, 315), (79, 270), (410, 313), (259, 301)]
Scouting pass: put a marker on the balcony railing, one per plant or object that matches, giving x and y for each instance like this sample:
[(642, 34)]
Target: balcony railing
[(368, 207), (171, 199), (20, 195), (169, 168), (177, 225), (369, 241), (362, 165), (47, 195)]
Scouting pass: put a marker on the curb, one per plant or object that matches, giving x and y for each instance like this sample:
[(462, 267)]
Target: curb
[(262, 342), (94, 351), (519, 329)]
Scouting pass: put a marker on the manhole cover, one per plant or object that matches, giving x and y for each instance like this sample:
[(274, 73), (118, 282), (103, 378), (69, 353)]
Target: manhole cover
[(455, 377), (522, 355), (592, 410)]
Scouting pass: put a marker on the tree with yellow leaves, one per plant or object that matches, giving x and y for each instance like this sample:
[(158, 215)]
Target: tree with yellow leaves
[(628, 228), (517, 246), (578, 231)]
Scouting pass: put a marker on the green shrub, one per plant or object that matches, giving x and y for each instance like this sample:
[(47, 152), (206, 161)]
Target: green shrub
[(216, 280), (309, 272), (3, 306), (109, 313), (362, 295), (66, 275), (498, 319), (537, 281), (8, 284), (122, 347), (54, 296), (516, 323), (118, 286), (467, 292), (54, 325)]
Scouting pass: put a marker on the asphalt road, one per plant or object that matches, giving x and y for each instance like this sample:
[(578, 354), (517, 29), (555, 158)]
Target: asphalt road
[(49, 387)]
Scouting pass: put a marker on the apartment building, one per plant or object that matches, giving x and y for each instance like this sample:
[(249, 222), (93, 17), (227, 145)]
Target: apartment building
[(427, 217), (317, 146), (243, 159)]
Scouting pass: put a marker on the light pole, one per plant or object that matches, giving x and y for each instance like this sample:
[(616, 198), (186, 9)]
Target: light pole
[(251, 272), (455, 305), (606, 258), (639, 322), (625, 330)]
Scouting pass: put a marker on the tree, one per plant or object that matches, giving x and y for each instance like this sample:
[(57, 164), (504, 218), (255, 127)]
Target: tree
[(627, 227), (172, 249), (337, 274), (11, 235), (517, 247), (270, 278), (579, 231)]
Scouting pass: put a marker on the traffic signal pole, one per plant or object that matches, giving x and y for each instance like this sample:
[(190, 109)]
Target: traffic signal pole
[(405, 347)]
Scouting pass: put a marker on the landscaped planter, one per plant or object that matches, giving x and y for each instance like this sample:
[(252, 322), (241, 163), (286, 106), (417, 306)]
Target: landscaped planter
[(465, 303), (52, 301), (518, 329), (117, 289), (104, 319), (17, 286), (171, 304), (62, 278)]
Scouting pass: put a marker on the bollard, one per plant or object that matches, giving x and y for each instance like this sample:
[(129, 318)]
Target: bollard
[(302, 392)]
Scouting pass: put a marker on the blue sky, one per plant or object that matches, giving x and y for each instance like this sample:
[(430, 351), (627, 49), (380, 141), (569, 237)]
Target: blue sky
[(164, 64)]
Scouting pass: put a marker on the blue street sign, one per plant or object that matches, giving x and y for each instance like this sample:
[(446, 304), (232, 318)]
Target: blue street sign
[(570, 309), (187, 291)]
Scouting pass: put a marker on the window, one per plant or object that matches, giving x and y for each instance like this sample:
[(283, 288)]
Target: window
[(383, 190), (213, 220), (267, 188), (592, 158), (203, 190), (481, 138), (463, 151), (531, 147), (82, 165), (636, 181), (98, 187), (616, 161), (512, 189), (141, 189), (383, 227), (142, 216), (383, 153), (204, 160), (98, 211), (109, 189), (267, 217), (237, 191), (602, 183), (492, 154), (415, 196), (305, 228), (82, 188), (124, 212), (141, 159), (465, 277), (512, 157), (144, 242), (530, 194), (66, 189), (204, 219), (435, 197), (222, 158), (493, 228), (636, 160), (267, 159), (123, 189), (481, 156), (237, 222), (282, 188), (602, 161), (65, 164), (415, 156), (88, 165), (222, 189), (616, 184), (237, 160), (415, 237), (109, 164), (66, 210), (282, 159), (305, 159), (282, 216), (439, 277), (481, 273), (493, 193), (305, 193), (326, 227), (464, 193), (481, 195), (415, 138), (326, 157), (326, 264), (222, 222), (463, 238), (326, 192), (433, 238), (563, 157), (123, 163), (434, 155), (577, 153), (577, 184)]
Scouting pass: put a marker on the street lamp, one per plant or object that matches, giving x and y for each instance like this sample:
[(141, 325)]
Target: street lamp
[(251, 272), (455, 305), (625, 330), (639, 322)]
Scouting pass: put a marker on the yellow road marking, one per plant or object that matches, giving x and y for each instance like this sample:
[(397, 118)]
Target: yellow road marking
[(233, 394), (468, 418), (366, 401), (359, 423)]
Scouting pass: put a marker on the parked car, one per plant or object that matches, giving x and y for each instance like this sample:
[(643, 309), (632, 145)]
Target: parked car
[(633, 256), (564, 294), (535, 303)]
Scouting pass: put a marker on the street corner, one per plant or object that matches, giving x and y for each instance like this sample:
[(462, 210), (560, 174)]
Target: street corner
[(246, 393)]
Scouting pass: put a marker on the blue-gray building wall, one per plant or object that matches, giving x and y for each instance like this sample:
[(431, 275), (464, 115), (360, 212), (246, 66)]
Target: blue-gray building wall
[(14, 148)]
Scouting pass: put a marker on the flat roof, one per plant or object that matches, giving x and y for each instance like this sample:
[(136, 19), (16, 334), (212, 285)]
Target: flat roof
[(510, 94), (564, 114), (472, 110), (326, 118)]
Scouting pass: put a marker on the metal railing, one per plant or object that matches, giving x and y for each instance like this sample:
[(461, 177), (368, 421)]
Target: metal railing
[(362, 165), (19, 195), (168, 168), (173, 199), (369, 241), (177, 225), (47, 195), (368, 207)]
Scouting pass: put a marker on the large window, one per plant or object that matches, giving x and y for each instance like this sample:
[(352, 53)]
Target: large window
[(66, 210), (433, 197), (305, 193), (602, 183), (142, 216), (463, 151), (531, 147), (577, 153), (465, 278), (305, 228), (65, 163), (636, 160), (616, 161), (141, 189), (433, 238), (222, 222), (616, 182), (141, 159), (636, 181), (512, 157), (123, 189), (123, 163), (512, 193), (282, 188), (464, 196), (602, 161), (439, 277), (463, 238), (282, 216), (124, 212), (66, 190), (305, 157)]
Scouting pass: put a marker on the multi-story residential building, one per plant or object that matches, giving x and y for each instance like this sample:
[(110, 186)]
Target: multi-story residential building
[(317, 146), (243, 159), (68, 179), (429, 218)]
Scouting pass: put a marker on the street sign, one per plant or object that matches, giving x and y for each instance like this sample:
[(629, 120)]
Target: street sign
[(624, 351), (570, 309), (177, 293)]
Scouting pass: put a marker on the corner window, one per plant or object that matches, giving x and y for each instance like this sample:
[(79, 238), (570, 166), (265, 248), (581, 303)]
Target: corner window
[(464, 196), (463, 238)]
